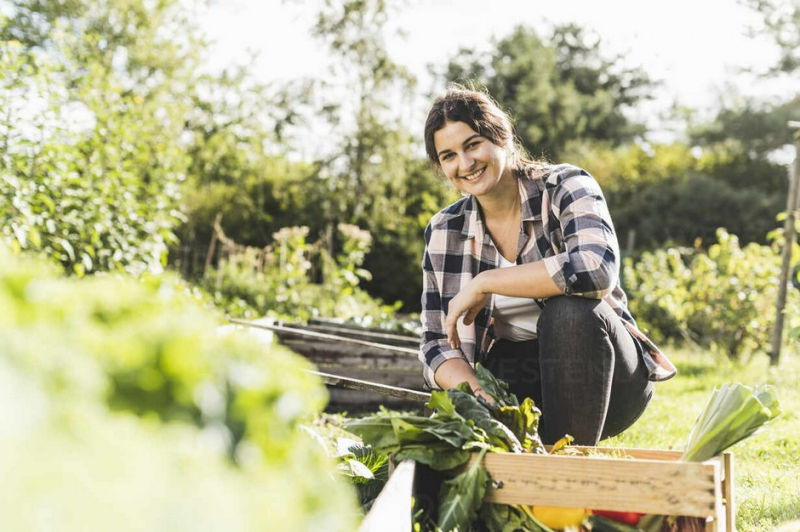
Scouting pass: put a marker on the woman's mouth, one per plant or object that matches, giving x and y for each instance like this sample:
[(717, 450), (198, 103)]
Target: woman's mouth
[(474, 175)]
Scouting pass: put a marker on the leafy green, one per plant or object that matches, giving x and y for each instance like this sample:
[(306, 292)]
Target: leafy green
[(366, 468), (387, 430), (497, 434), (460, 425), (461, 497), (494, 387), (523, 421), (120, 385), (508, 518), (733, 413), (440, 457)]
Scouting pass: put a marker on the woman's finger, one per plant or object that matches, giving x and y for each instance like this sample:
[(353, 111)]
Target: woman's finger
[(470, 315), (451, 330)]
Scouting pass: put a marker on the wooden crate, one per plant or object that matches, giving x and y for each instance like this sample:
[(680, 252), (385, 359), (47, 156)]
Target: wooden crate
[(646, 481)]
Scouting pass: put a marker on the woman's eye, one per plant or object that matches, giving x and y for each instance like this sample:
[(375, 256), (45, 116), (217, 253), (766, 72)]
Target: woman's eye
[(473, 144), (447, 156)]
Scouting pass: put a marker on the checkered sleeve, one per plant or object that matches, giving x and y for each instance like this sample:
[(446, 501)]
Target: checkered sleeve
[(434, 347), (587, 263)]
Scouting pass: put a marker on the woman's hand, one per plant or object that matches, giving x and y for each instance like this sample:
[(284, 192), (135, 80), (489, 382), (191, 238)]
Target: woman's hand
[(468, 302)]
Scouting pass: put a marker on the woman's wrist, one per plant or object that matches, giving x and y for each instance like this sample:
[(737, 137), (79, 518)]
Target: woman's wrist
[(480, 281)]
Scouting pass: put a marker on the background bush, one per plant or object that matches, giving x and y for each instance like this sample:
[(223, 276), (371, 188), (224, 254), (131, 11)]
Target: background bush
[(722, 298), (296, 279)]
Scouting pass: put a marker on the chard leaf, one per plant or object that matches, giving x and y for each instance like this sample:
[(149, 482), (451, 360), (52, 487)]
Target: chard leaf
[(523, 421), (461, 497), (494, 387), (439, 456), (407, 431), (441, 403), (376, 431), (456, 432), (497, 434)]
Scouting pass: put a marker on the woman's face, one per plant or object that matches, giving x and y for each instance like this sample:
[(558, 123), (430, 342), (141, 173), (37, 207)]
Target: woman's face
[(473, 163)]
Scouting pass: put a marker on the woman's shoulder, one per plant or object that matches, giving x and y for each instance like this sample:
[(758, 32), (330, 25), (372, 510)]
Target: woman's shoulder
[(453, 211), (556, 174)]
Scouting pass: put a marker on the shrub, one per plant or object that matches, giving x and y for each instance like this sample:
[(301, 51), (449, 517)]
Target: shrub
[(132, 413), (294, 279), (722, 298)]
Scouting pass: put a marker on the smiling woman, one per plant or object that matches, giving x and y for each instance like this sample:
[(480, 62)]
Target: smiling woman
[(522, 275)]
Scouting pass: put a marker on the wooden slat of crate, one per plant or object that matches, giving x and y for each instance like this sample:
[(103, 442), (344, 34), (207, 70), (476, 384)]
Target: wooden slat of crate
[(627, 452), (391, 511), (647, 486)]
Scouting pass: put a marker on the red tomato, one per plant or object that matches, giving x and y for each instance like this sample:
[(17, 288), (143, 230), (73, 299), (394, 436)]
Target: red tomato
[(629, 518)]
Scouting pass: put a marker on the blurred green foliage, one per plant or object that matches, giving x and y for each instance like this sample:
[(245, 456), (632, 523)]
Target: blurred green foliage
[(722, 298), (125, 408), (91, 126), (294, 279)]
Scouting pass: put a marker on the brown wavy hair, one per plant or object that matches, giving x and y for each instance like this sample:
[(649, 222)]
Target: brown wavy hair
[(479, 111)]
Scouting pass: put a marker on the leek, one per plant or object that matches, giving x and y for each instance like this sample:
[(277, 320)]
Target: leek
[(733, 412)]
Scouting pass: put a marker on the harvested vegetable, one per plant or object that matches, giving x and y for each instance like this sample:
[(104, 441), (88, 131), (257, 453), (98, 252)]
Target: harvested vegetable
[(560, 518), (461, 497), (599, 523), (733, 413), (461, 423), (628, 518)]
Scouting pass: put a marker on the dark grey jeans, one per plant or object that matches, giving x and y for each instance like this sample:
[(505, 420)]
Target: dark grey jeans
[(584, 372)]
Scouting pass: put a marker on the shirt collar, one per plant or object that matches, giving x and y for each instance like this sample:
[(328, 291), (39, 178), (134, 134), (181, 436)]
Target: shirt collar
[(530, 192), (473, 221)]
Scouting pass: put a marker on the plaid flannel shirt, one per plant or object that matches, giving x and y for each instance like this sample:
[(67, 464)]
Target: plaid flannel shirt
[(565, 223)]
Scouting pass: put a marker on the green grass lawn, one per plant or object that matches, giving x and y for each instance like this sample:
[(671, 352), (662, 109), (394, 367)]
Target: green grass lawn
[(767, 465)]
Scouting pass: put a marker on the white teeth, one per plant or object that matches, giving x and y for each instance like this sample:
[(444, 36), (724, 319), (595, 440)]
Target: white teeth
[(472, 176)]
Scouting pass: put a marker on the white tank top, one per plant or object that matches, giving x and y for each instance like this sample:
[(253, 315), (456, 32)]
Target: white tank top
[(515, 317)]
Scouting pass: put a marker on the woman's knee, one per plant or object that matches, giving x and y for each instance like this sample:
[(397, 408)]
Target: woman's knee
[(569, 313)]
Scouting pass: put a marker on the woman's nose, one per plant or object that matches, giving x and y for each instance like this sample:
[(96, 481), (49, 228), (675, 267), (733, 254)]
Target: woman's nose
[(465, 161)]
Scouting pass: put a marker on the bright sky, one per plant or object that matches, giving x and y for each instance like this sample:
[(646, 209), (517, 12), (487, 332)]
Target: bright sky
[(694, 46)]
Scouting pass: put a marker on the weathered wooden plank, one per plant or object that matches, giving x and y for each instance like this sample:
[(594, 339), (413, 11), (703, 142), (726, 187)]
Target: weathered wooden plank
[(323, 336), (360, 334), (391, 511), (342, 399), (367, 386), (648, 486), (321, 352), (398, 378), (621, 452), (727, 491)]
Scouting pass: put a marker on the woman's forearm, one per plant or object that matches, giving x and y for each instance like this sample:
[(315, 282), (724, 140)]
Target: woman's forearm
[(525, 280), (453, 372)]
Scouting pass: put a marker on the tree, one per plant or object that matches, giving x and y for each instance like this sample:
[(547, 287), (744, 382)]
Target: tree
[(95, 182), (375, 176), (239, 131), (558, 87), (782, 22), (369, 158)]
